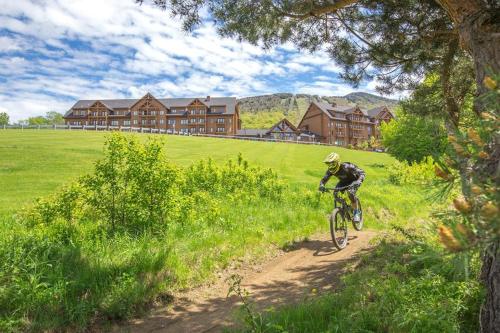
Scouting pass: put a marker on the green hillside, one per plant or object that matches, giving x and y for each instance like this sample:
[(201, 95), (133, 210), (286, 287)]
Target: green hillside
[(264, 111), (74, 268), (35, 163)]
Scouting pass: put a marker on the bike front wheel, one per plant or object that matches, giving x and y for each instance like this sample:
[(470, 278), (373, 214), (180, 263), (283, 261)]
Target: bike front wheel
[(338, 229)]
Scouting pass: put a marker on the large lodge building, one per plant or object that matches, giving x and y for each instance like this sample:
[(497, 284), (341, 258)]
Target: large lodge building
[(217, 115), (340, 125)]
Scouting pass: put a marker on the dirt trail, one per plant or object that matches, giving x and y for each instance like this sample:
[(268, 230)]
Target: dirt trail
[(314, 264)]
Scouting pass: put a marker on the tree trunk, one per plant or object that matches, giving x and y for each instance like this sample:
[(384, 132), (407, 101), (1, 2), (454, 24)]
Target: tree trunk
[(490, 275)]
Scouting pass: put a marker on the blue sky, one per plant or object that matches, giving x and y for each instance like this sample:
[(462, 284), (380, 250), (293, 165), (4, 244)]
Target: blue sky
[(54, 52)]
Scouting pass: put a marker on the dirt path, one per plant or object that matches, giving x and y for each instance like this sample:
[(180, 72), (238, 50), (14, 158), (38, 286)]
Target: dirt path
[(314, 264)]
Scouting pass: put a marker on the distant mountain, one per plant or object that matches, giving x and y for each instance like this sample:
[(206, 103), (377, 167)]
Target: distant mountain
[(264, 111), (367, 99)]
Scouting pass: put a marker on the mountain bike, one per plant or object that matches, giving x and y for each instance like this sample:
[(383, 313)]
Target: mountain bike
[(341, 214)]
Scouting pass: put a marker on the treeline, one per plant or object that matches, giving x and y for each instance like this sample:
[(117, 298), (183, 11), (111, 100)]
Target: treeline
[(50, 118)]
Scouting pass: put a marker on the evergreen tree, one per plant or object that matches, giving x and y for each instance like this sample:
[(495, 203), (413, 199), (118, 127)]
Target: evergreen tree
[(394, 41)]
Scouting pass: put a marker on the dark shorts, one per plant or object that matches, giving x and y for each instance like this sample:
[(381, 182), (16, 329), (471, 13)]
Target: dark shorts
[(351, 190)]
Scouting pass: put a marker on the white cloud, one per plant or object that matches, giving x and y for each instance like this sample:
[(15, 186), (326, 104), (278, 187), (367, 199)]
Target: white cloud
[(53, 52)]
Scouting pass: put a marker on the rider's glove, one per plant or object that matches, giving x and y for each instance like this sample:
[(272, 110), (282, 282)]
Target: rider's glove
[(353, 188), (322, 188)]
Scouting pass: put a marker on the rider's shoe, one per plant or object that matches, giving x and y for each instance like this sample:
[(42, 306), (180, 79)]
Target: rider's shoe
[(357, 215)]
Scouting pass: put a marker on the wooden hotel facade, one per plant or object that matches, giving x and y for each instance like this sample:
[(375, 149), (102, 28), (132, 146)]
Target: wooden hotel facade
[(344, 125), (210, 115)]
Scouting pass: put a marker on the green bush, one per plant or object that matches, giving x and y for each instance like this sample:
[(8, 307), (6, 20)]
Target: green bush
[(411, 138), (416, 173)]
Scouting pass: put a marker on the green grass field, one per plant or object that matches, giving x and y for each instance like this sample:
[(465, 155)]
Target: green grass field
[(69, 273), (35, 163)]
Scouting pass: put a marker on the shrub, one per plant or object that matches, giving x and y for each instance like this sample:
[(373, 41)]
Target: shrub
[(416, 173)]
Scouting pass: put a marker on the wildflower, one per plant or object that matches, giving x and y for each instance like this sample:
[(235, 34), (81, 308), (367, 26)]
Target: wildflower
[(448, 239)]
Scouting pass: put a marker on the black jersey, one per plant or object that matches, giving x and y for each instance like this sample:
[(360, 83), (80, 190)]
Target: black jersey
[(348, 173)]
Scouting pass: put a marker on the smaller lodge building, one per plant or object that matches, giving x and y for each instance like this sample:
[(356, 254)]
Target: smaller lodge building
[(339, 125), (282, 130), (344, 125)]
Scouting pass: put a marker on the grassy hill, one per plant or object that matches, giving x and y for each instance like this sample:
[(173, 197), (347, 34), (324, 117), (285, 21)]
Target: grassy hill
[(264, 111), (73, 271), (35, 163)]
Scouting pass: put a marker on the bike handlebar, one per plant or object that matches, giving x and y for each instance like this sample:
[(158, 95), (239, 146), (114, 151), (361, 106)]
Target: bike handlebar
[(338, 189)]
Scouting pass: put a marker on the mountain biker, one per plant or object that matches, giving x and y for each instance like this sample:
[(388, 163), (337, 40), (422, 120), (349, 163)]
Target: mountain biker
[(349, 175)]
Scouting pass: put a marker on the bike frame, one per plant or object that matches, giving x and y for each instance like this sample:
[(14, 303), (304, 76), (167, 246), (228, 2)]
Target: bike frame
[(340, 202)]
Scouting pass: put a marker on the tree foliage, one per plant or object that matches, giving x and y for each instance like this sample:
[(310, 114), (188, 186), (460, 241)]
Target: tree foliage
[(50, 118), (394, 41), (411, 138), (4, 118)]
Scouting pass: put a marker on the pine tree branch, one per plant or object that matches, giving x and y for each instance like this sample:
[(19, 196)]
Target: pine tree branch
[(316, 11)]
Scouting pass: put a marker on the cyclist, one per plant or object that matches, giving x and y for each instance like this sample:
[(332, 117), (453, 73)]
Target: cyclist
[(349, 175)]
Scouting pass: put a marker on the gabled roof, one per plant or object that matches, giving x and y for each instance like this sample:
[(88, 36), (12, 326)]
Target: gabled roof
[(280, 124), (110, 103), (376, 111), (330, 109), (228, 102)]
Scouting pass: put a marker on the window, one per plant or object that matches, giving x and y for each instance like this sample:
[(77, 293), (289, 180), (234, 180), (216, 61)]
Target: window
[(144, 122), (202, 130), (114, 123), (162, 121), (135, 113), (192, 129), (153, 121), (171, 121), (126, 123), (193, 120), (161, 113), (153, 113), (184, 121), (135, 121), (220, 120), (201, 120), (220, 129)]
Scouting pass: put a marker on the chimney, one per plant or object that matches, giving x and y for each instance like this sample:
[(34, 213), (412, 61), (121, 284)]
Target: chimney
[(208, 98)]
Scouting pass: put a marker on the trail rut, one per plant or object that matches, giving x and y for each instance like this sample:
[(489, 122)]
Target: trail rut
[(313, 264)]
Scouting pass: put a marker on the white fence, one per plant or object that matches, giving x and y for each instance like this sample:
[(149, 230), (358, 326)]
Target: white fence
[(150, 130)]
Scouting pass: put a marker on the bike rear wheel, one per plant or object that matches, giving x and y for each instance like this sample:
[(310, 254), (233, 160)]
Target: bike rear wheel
[(338, 229), (358, 225)]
